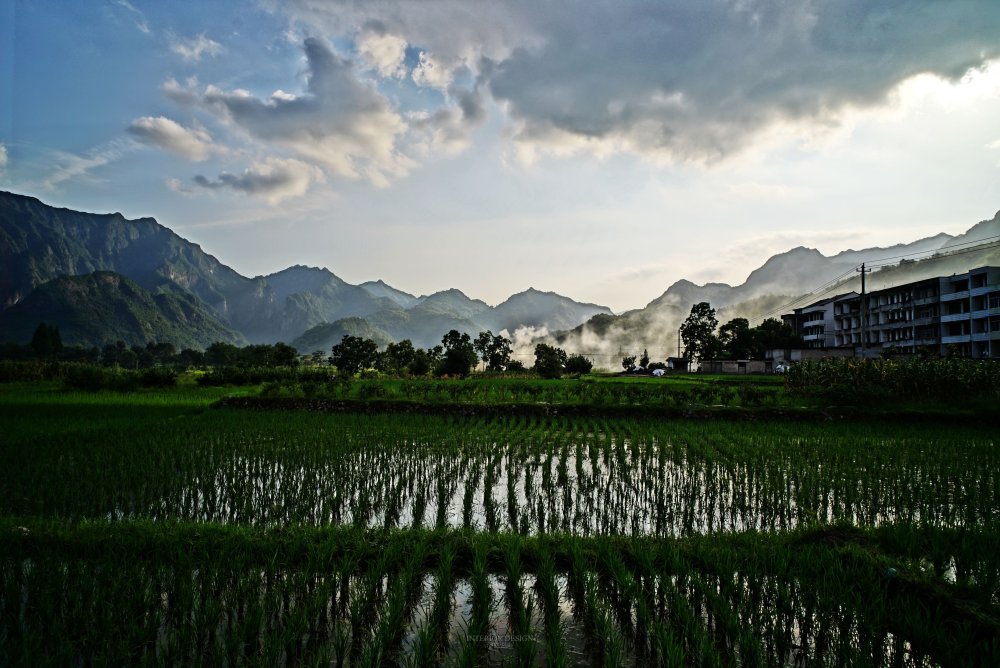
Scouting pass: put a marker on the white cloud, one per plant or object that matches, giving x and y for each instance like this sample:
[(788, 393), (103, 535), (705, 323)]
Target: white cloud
[(338, 122), (192, 49), (179, 187), (273, 178), (3, 157), (429, 72), (140, 19), (185, 95), (191, 143), (382, 52), (70, 166)]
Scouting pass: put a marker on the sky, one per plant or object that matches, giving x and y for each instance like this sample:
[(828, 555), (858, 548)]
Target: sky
[(599, 149)]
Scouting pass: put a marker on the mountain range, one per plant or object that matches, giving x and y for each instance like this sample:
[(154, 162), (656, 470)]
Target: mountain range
[(137, 281), (102, 278), (787, 280)]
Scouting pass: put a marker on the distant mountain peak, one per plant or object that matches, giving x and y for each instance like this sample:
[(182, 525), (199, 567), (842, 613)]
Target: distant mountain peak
[(300, 269)]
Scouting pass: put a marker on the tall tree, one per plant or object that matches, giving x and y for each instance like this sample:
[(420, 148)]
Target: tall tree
[(46, 341), (737, 339), (398, 357), (459, 354), (773, 334), (698, 333), (578, 364), (549, 360), (494, 350), (353, 354)]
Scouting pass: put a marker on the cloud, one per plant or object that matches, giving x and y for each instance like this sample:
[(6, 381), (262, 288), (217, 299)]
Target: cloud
[(179, 187), (429, 72), (140, 19), (192, 49), (701, 81), (447, 128), (339, 122), (676, 80), (381, 51), (70, 166), (274, 179), (191, 143), (3, 157)]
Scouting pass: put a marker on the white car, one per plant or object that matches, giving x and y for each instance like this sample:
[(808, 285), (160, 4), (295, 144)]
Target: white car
[(780, 368)]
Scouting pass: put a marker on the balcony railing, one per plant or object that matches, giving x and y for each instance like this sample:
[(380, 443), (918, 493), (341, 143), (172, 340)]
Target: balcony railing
[(956, 317), (951, 296)]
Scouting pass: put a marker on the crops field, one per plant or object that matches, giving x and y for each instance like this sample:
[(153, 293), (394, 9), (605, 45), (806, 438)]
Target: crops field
[(149, 528)]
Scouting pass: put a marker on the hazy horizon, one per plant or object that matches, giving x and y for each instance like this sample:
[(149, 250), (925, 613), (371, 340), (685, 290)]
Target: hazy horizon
[(600, 154)]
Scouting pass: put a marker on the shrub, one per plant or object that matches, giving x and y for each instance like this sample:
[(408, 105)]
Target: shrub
[(578, 364)]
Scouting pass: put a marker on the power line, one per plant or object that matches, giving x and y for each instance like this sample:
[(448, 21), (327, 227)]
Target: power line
[(948, 253), (812, 293), (979, 245), (933, 250)]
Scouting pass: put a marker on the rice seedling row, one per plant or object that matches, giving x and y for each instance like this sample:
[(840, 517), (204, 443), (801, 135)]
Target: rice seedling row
[(591, 477), (118, 592), (232, 538)]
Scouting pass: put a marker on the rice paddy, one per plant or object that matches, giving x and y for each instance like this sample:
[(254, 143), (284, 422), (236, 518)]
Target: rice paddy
[(144, 528)]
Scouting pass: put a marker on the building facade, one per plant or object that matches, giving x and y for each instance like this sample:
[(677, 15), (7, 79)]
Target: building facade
[(815, 322), (957, 314)]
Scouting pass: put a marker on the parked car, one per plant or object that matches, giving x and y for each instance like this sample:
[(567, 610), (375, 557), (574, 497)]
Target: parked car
[(781, 367)]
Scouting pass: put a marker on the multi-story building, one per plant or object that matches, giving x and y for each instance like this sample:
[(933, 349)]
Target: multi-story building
[(970, 312), (957, 314), (815, 322)]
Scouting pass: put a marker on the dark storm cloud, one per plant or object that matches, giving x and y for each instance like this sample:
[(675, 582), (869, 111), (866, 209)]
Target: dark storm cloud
[(695, 80), (700, 79), (273, 178)]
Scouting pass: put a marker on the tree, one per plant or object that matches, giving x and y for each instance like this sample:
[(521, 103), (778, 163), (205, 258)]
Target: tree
[(353, 354), (737, 340), (549, 360), (698, 333), (191, 357), (494, 350), (284, 355), (422, 363), (578, 364), (46, 341), (221, 353), (459, 354), (515, 365), (628, 362), (772, 334), (398, 357), (644, 360)]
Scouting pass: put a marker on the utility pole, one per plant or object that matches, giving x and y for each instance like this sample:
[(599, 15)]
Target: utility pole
[(864, 308), (678, 342)]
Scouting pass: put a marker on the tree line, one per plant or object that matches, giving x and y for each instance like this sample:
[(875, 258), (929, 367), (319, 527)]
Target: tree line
[(704, 340), (46, 344), (457, 355)]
